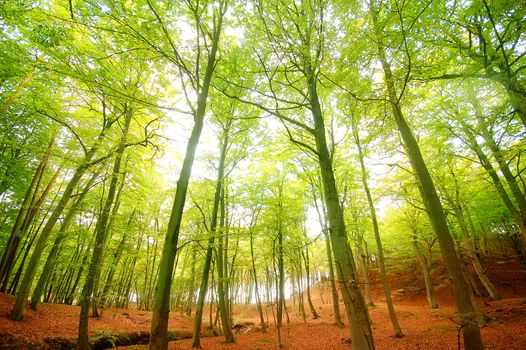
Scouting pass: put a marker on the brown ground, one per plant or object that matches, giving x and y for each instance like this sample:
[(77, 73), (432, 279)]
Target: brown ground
[(424, 328)]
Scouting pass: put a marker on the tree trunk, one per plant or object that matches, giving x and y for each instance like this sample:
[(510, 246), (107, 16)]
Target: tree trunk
[(53, 254), (372, 210), (8, 257), (280, 286), (101, 231), (499, 157), (307, 271), (106, 301), (359, 320), (199, 308), (362, 264), (323, 217), (332, 281), (461, 289), (519, 218), (17, 313), (161, 310), (227, 329), (222, 268), (472, 254), (73, 290), (425, 266), (301, 289), (254, 274), (191, 292)]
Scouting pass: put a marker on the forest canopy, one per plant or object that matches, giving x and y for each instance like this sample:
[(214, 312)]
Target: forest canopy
[(170, 154)]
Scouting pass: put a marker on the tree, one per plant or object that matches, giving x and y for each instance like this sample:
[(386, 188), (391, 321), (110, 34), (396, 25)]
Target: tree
[(376, 230), (461, 289), (199, 79), (298, 52), (219, 192), (101, 231)]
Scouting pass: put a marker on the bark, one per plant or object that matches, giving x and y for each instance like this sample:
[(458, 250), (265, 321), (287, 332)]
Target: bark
[(73, 290), (29, 241), (101, 233), (461, 289), (334, 291), (300, 290), (191, 293), (518, 100), (497, 154), (332, 281)]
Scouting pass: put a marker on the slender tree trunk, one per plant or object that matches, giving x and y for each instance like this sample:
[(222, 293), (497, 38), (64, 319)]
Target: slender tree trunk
[(227, 329), (101, 231), (472, 254), (256, 286), (222, 288), (364, 269), (486, 164), (70, 297), (307, 271), (517, 98), (359, 320), (161, 310), (30, 239), (116, 258), (222, 249), (425, 266), (499, 157), (372, 210), (68, 273), (17, 232), (17, 313), (461, 289), (332, 281), (280, 286), (199, 308), (53, 254), (323, 217), (191, 293), (301, 289)]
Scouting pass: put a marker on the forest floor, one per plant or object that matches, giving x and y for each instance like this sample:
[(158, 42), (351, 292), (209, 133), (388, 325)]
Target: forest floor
[(424, 328)]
